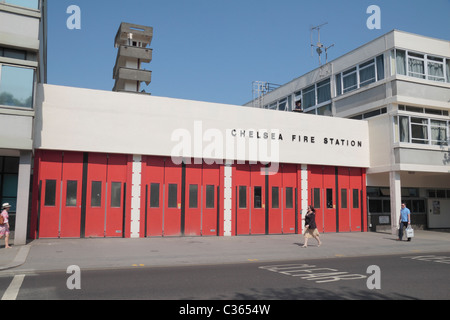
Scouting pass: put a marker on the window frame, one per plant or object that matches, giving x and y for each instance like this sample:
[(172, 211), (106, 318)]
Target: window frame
[(427, 60), (426, 123), (377, 63), (33, 85)]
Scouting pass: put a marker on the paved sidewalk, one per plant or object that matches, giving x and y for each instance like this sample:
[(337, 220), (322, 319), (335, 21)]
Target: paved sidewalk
[(58, 254)]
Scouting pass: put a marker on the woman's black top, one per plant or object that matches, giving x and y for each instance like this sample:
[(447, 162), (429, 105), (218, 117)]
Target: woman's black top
[(310, 219)]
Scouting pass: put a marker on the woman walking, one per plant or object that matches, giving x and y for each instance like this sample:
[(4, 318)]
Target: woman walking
[(4, 227), (310, 227)]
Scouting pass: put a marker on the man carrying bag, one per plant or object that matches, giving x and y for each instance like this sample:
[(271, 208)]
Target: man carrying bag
[(405, 221)]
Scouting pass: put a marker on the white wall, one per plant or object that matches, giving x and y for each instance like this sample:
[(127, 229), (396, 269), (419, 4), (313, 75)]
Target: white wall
[(102, 121)]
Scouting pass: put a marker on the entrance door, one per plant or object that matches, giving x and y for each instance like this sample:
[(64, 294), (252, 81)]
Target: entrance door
[(344, 197), (275, 202), (153, 178), (288, 198), (322, 184), (315, 185), (116, 195), (356, 207), (172, 200), (258, 199), (193, 200), (242, 191), (72, 176), (50, 169), (210, 199), (96, 199)]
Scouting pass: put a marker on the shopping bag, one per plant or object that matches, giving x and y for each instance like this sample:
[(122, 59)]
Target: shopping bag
[(409, 232)]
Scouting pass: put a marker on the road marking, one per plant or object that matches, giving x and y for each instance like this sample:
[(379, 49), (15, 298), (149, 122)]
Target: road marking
[(431, 258), (313, 273), (13, 289)]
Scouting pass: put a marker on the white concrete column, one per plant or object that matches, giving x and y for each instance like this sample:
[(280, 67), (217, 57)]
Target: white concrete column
[(227, 199), (23, 193), (136, 196), (304, 193), (396, 199)]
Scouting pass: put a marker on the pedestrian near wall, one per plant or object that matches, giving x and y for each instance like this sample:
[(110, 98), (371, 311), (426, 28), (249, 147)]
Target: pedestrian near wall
[(4, 228), (311, 227), (405, 221)]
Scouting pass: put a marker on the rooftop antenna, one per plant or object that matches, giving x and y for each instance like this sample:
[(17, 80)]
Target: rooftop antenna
[(319, 46)]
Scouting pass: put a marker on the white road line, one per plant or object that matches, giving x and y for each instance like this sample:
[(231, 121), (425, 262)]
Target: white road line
[(13, 289)]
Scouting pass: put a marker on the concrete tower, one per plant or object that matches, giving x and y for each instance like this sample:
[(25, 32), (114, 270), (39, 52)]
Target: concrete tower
[(133, 41)]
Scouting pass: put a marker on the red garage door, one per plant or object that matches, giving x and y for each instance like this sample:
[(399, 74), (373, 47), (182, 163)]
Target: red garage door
[(180, 199)]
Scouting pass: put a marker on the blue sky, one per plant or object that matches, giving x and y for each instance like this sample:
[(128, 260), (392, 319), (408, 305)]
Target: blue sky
[(212, 50)]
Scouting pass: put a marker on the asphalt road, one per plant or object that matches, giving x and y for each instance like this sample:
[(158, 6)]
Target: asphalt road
[(398, 277)]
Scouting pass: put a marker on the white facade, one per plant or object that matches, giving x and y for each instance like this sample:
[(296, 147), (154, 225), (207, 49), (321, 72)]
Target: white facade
[(147, 125), (400, 84), (22, 66)]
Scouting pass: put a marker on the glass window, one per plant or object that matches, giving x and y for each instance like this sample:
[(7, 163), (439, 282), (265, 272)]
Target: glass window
[(11, 165), (116, 194), (438, 132), (242, 197), (367, 73), (435, 69), (172, 198), (401, 61), (323, 91), (193, 196), (316, 198), (31, 4), (210, 197), (16, 86), (154, 195), (349, 79), (257, 197), (419, 130), (309, 97), (344, 198), (71, 193), (386, 206), (329, 198), (325, 110), (338, 84), (416, 67), (418, 206), (404, 129), (275, 198), (289, 198), (15, 54), (355, 198), (380, 67), (96, 194), (282, 104), (50, 193), (447, 70), (375, 205)]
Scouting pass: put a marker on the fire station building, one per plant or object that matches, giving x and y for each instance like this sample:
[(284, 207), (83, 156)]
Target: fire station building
[(354, 138), (113, 164)]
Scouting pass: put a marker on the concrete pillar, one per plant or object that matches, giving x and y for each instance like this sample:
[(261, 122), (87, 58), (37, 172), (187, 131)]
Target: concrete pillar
[(304, 193), (228, 198), (136, 197), (23, 194), (396, 199)]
